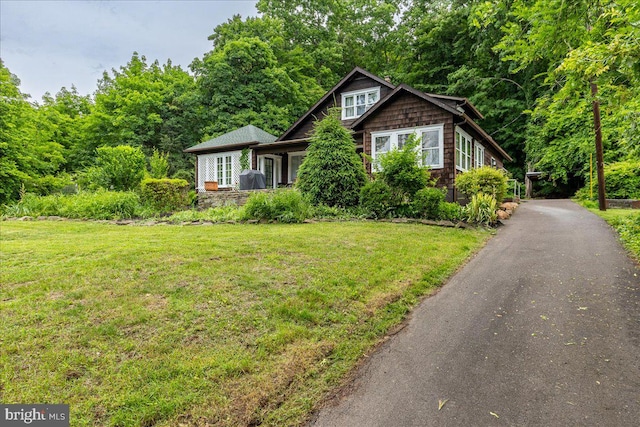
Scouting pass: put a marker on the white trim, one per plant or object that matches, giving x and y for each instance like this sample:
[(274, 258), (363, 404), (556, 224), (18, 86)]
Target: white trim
[(277, 162), (466, 161), (393, 142), (208, 169), (478, 155), (354, 106), (293, 154)]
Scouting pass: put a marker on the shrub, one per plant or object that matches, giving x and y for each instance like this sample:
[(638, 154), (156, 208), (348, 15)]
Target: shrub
[(622, 180), (158, 164), (331, 173), (165, 195), (377, 199), (118, 168), (481, 209), (426, 203), (486, 180), (401, 169), (288, 206), (48, 184), (450, 211)]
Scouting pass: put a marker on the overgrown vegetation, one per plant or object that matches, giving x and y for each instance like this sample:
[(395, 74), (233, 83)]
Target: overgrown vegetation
[(625, 221), (102, 204), (226, 325)]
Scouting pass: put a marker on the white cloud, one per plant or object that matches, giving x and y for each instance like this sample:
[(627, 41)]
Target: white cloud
[(51, 44)]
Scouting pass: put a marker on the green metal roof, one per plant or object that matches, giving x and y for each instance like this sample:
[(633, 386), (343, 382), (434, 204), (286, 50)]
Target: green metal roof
[(247, 135)]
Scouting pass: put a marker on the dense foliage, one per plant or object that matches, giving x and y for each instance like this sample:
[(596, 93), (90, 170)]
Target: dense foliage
[(165, 195), (526, 65), (331, 173), (485, 180)]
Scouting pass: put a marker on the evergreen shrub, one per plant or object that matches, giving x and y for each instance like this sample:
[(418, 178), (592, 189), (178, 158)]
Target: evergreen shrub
[(332, 173), (165, 195)]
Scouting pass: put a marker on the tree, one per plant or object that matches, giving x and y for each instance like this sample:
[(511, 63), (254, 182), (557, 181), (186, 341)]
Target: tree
[(582, 42), (118, 168), (27, 151), (242, 83), (146, 106), (331, 173)]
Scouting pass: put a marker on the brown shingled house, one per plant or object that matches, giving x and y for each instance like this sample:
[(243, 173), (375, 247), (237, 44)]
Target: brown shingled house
[(382, 116)]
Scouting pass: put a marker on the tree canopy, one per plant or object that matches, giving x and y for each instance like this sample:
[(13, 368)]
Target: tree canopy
[(526, 65)]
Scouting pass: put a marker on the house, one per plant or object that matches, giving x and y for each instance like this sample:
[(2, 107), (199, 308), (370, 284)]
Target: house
[(381, 116)]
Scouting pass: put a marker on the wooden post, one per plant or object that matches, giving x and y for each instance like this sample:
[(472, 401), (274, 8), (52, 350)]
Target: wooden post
[(602, 203)]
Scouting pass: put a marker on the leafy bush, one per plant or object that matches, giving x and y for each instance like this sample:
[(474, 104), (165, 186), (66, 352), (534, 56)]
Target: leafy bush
[(99, 205), (158, 164), (377, 199), (331, 173), (622, 180), (165, 195), (47, 184), (486, 180), (450, 211), (426, 203), (401, 169), (481, 209), (118, 168), (288, 206)]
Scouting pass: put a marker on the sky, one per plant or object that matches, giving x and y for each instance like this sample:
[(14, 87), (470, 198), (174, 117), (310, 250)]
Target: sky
[(51, 44)]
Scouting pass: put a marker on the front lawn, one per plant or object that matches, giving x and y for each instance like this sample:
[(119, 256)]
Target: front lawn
[(197, 325)]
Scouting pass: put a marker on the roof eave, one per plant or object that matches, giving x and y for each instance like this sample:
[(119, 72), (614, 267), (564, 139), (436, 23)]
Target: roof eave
[(486, 136), (195, 150), (330, 93)]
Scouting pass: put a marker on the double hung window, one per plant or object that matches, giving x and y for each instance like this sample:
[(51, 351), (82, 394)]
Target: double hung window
[(355, 104), (430, 144), (463, 150)]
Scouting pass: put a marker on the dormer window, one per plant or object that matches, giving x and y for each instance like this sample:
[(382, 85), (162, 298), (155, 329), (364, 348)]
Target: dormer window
[(354, 104)]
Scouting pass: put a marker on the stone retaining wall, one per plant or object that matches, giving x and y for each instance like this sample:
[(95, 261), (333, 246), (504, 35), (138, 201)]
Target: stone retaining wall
[(214, 199)]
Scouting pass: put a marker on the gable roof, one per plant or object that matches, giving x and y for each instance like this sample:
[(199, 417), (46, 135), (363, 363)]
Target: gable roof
[(436, 100), (341, 83), (248, 135), (463, 103)]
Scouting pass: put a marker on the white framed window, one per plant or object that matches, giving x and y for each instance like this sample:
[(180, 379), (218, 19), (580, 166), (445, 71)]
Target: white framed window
[(431, 144), (218, 167), (356, 103), (295, 160), (463, 150), (478, 156)]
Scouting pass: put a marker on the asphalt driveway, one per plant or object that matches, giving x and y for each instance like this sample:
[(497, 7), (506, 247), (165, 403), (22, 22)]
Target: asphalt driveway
[(541, 328)]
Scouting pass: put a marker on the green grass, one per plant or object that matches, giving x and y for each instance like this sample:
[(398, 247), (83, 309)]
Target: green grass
[(627, 223), (223, 324)]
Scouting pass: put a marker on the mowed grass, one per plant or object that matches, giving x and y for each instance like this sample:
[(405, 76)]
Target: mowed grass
[(204, 325)]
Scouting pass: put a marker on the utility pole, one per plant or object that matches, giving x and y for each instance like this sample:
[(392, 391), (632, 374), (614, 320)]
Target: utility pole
[(602, 203)]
